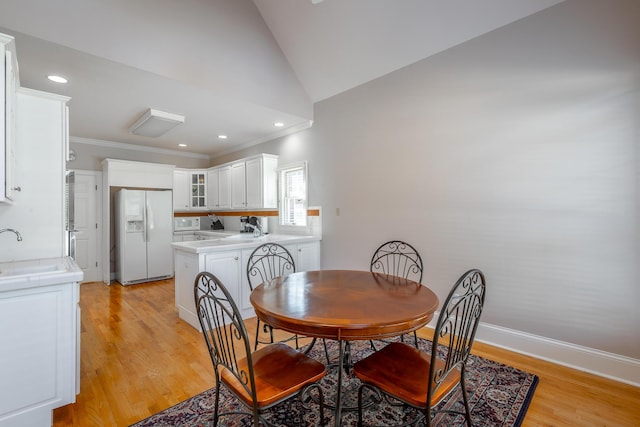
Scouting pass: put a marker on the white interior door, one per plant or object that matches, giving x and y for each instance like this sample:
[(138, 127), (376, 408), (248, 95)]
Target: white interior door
[(87, 224)]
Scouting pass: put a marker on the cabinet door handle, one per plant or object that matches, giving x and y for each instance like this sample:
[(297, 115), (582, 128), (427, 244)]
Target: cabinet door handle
[(18, 188), (236, 258)]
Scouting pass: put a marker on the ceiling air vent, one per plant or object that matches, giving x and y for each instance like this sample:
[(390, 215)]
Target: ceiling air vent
[(155, 123)]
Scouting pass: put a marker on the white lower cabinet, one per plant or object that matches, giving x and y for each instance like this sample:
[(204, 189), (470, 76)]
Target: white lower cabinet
[(245, 291), (306, 257), (225, 266), (230, 266), (187, 265), (184, 237), (39, 332)]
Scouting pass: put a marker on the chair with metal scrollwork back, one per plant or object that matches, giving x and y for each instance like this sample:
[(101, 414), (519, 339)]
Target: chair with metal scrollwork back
[(423, 380), (398, 258), (260, 379), (266, 262)]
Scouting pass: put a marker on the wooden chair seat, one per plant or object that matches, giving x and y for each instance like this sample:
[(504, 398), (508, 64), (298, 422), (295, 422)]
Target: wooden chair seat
[(260, 379), (279, 372), (405, 373), (422, 380)]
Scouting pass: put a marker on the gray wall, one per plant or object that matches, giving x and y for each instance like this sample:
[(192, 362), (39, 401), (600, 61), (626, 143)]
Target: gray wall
[(516, 152)]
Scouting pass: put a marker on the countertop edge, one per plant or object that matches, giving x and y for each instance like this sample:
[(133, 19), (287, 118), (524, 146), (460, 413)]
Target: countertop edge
[(200, 246), (71, 274)]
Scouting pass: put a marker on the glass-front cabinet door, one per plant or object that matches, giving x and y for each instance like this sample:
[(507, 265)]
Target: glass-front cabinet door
[(199, 189)]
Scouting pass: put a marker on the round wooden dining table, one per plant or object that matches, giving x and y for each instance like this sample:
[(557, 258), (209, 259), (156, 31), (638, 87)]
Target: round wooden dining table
[(344, 305)]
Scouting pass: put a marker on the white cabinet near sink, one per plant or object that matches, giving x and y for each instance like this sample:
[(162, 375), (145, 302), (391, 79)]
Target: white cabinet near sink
[(37, 211), (9, 83), (40, 336)]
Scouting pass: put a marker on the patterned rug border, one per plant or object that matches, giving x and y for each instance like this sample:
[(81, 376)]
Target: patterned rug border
[(197, 410), (527, 401)]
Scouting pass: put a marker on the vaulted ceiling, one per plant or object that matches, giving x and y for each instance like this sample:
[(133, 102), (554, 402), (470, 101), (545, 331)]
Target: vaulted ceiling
[(231, 67)]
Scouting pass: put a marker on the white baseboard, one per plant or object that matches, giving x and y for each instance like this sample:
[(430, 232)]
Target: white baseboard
[(609, 365)]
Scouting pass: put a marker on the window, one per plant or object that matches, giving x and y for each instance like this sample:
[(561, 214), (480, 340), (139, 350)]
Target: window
[(293, 195)]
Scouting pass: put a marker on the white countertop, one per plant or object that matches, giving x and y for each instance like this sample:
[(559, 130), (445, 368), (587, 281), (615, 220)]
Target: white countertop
[(38, 272), (239, 241)]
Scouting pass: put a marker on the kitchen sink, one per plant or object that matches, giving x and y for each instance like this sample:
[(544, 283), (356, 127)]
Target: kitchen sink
[(38, 272), (31, 269)]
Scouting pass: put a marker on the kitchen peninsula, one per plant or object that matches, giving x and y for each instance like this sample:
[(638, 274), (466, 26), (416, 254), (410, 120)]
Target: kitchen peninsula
[(226, 258)]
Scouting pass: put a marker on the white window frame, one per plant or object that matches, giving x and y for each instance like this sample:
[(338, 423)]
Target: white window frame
[(282, 200)]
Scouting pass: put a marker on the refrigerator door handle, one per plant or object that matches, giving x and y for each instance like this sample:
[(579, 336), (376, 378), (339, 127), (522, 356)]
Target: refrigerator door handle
[(145, 236), (148, 220)]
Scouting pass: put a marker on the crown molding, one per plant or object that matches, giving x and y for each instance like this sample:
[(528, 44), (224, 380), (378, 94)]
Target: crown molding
[(134, 147), (283, 132), (35, 92)]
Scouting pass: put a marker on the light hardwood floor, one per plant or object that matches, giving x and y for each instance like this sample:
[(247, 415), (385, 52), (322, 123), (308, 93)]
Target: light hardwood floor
[(138, 358)]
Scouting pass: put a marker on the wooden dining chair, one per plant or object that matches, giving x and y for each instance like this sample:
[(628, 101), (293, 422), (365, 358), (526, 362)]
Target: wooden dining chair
[(398, 258), (423, 380), (259, 379), (266, 262)]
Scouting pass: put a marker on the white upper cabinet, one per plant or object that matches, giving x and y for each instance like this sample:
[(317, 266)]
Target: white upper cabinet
[(254, 182), (198, 189), (219, 187), (238, 185), (250, 183), (9, 84), (189, 189), (37, 211), (129, 173), (262, 182), (180, 189)]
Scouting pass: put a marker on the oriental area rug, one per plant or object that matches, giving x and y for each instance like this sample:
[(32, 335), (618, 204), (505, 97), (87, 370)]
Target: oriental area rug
[(499, 396)]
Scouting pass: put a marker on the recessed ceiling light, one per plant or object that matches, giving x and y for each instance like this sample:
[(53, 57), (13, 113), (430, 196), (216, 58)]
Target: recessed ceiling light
[(278, 124), (57, 79), (182, 145), (222, 136)]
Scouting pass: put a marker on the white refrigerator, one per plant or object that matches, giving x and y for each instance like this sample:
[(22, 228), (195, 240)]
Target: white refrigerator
[(144, 231)]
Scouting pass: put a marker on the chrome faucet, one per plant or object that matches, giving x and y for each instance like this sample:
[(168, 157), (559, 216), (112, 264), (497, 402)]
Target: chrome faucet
[(17, 233), (257, 229)]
